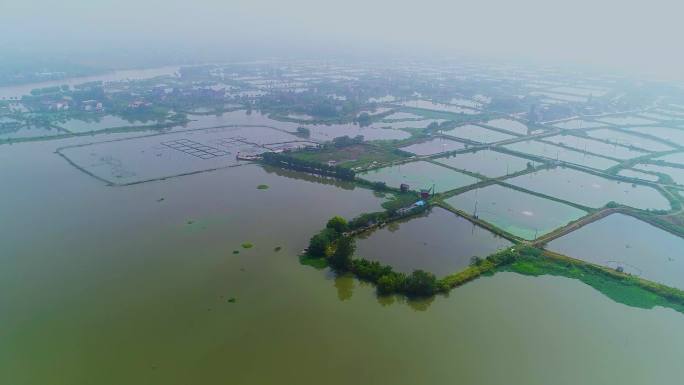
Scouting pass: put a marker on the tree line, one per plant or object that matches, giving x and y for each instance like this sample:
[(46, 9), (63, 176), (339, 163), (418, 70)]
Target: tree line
[(290, 162), (338, 248)]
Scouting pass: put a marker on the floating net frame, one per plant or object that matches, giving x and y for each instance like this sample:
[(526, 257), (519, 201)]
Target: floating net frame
[(196, 149)]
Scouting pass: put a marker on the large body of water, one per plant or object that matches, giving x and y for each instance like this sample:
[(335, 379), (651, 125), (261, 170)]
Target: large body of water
[(113, 285)]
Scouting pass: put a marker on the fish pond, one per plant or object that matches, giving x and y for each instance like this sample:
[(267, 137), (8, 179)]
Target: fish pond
[(508, 125), (590, 190), (478, 134), (672, 135), (433, 146), (428, 105), (630, 173), (25, 132), (677, 158), (626, 120), (319, 132), (153, 157), (554, 152), (489, 163), (419, 175), (637, 247), (676, 173), (577, 124), (403, 116), (628, 140), (100, 123), (440, 242), (595, 146), (524, 215)]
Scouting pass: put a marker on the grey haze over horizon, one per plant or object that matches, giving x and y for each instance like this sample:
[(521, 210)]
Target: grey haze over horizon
[(631, 36)]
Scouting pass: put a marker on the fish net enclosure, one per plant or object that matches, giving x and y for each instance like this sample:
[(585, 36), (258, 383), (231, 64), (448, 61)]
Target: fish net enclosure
[(167, 155)]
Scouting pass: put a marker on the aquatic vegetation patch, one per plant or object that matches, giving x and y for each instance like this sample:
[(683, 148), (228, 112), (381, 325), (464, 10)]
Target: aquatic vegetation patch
[(622, 288)]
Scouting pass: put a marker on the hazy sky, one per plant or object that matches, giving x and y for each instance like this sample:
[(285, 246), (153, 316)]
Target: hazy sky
[(625, 34)]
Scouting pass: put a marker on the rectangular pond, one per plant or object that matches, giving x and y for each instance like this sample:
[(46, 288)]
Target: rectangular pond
[(100, 123), (630, 173), (25, 132), (466, 102), (433, 146), (626, 120), (405, 124), (590, 190), (508, 125), (477, 134), (628, 140), (597, 147), (401, 115), (676, 173), (319, 132), (521, 214), (677, 158), (489, 163), (162, 156), (554, 152), (419, 175), (563, 97), (579, 91), (577, 124), (440, 242), (441, 107), (656, 116), (623, 241), (672, 135)]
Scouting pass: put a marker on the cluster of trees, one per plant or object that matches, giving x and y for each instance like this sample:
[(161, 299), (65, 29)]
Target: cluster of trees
[(417, 284), (303, 132), (391, 206), (364, 119), (338, 249), (346, 141), (479, 266), (285, 161), (332, 244), (367, 219), (315, 102)]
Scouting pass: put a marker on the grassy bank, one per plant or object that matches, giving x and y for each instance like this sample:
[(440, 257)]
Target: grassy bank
[(622, 288)]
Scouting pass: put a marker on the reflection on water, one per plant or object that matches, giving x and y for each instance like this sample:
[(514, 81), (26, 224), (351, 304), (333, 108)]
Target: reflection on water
[(344, 284)]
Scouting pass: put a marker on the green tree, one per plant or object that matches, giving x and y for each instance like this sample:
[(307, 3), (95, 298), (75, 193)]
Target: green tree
[(421, 283), (337, 223), (364, 119), (319, 243), (391, 283), (342, 257)]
